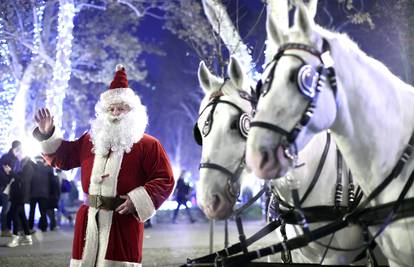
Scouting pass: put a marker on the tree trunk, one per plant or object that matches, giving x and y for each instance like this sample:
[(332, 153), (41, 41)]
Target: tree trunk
[(18, 130)]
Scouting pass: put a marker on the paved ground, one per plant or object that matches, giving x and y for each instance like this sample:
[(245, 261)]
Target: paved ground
[(164, 245)]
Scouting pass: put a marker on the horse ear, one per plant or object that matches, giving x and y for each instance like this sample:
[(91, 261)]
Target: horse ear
[(207, 80), (235, 72), (303, 20), (274, 33)]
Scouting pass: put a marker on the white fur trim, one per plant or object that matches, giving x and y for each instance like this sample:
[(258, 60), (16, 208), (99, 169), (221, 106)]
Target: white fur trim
[(119, 67), (91, 248), (51, 145), (143, 203), (97, 240), (106, 263), (120, 95)]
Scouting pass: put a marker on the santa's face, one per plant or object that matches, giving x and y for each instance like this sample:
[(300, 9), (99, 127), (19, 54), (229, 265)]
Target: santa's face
[(116, 128), (117, 111)]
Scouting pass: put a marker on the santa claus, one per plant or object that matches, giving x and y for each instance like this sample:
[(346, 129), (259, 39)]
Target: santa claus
[(125, 175)]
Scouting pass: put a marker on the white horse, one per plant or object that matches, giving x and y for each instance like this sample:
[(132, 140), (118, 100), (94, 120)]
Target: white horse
[(223, 144), (370, 113)]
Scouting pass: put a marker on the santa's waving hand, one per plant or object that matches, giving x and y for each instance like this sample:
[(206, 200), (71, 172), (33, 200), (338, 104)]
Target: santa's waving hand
[(44, 120)]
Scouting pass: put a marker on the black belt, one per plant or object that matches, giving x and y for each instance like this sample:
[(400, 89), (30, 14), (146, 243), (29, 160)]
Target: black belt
[(103, 202)]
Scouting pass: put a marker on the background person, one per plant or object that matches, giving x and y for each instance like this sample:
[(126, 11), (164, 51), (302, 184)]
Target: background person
[(182, 194), (19, 195), (40, 192), (8, 159)]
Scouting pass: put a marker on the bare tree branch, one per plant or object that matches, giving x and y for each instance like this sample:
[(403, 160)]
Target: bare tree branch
[(131, 6), (223, 26)]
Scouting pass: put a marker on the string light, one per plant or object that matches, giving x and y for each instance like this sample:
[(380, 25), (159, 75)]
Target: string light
[(37, 29), (8, 92), (18, 116), (62, 69)]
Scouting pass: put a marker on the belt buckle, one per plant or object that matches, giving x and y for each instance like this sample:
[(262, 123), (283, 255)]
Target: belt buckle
[(99, 201)]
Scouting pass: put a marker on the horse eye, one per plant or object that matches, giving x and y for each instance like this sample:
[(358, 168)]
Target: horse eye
[(233, 125), (292, 76)]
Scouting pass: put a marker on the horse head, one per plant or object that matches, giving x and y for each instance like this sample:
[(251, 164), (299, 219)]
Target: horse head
[(221, 129), (292, 93)]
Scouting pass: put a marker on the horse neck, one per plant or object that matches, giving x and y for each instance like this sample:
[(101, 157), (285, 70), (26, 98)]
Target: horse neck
[(375, 116)]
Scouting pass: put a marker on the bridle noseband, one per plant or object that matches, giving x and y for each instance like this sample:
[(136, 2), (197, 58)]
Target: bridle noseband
[(310, 82)]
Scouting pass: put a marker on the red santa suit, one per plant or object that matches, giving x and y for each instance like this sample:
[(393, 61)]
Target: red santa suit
[(104, 237)]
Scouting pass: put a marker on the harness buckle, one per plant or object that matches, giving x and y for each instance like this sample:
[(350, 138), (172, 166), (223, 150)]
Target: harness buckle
[(99, 201)]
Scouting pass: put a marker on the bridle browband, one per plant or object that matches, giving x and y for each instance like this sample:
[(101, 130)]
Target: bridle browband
[(311, 93)]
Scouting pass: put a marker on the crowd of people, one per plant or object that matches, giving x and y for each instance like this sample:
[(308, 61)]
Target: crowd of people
[(24, 181)]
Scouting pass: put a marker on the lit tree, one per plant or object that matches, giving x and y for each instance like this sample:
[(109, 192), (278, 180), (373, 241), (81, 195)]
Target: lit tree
[(56, 91), (8, 89), (30, 40)]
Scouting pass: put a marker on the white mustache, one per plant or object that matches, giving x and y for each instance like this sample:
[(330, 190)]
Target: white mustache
[(118, 118)]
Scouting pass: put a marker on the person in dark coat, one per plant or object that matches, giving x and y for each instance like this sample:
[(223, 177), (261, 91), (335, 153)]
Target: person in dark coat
[(40, 192), (8, 159), (53, 200), (19, 195), (182, 195)]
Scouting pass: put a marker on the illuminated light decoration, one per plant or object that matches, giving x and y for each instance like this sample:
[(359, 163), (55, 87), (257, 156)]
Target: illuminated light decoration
[(18, 111), (55, 94), (37, 28), (8, 91), (30, 146)]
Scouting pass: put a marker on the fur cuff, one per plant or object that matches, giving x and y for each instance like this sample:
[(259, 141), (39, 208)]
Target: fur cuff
[(143, 203), (51, 145)]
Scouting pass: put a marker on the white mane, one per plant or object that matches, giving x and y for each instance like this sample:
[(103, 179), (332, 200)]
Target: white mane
[(353, 52)]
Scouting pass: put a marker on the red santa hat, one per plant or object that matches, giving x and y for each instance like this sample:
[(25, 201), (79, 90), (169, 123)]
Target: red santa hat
[(119, 92), (120, 78)]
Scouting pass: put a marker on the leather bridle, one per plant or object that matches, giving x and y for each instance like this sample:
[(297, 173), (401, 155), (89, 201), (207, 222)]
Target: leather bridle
[(311, 91), (232, 177)]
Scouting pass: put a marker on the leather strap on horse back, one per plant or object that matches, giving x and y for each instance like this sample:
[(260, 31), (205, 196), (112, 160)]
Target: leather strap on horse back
[(375, 215), (237, 247), (303, 240), (339, 186), (407, 153), (315, 214), (319, 169), (103, 202), (242, 236)]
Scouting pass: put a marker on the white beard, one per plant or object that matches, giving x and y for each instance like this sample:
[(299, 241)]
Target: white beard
[(116, 134)]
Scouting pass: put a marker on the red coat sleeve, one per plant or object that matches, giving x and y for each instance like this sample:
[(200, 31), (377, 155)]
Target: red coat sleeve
[(67, 156), (160, 179)]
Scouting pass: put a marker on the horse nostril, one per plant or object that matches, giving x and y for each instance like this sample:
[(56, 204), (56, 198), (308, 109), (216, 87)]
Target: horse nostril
[(265, 158), (215, 202)]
